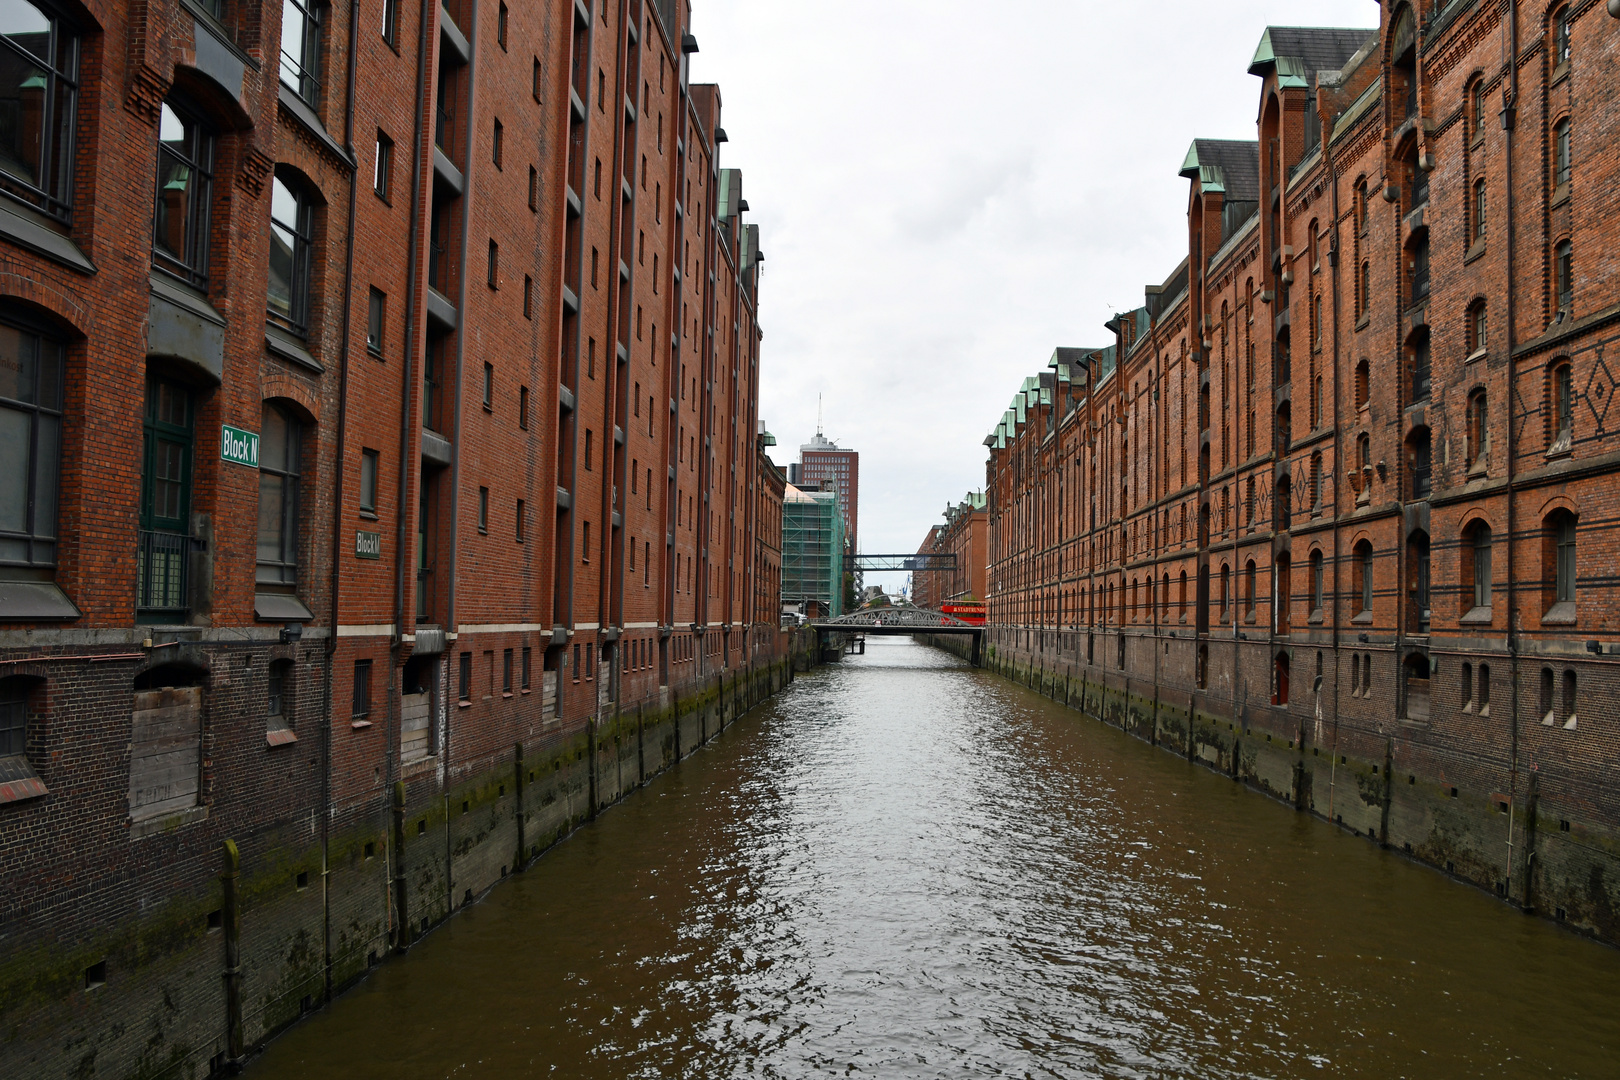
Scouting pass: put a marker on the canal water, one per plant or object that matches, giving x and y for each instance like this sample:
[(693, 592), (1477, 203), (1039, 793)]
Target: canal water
[(902, 867)]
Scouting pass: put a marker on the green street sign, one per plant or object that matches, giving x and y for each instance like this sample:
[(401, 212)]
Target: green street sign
[(368, 545), (240, 447)]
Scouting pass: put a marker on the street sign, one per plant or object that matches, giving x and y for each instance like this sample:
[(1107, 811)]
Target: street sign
[(240, 447), (368, 545)]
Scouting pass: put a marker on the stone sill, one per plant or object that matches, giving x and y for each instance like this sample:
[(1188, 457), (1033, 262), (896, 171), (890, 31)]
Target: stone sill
[(167, 823)]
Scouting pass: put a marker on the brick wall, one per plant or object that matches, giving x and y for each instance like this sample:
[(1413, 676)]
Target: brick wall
[(1351, 365)]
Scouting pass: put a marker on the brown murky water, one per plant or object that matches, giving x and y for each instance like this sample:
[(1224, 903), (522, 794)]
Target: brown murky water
[(905, 868)]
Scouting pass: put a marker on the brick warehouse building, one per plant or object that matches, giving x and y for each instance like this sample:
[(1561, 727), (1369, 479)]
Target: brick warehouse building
[(1333, 512), (963, 535), (510, 530)]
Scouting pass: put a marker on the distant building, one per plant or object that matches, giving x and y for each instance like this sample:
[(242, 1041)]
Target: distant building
[(812, 552), (822, 462), (964, 534)]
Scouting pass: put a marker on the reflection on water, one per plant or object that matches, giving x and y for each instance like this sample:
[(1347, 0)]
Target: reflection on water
[(906, 868)]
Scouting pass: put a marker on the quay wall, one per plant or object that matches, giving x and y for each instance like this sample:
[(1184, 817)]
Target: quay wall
[(242, 938), (1535, 832)]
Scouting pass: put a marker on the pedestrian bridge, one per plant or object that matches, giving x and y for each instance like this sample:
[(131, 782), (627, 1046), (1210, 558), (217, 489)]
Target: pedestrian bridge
[(898, 622)]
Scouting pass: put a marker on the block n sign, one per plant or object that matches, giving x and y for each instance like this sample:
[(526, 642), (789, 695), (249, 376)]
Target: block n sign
[(368, 545), (241, 447)]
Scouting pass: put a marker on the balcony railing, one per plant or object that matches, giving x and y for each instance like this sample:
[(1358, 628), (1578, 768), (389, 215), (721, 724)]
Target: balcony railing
[(162, 573)]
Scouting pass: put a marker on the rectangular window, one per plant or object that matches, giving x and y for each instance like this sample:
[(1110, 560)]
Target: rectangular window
[(368, 482), (13, 718), (390, 21), (520, 516), (464, 679), (279, 472), (534, 188), (489, 387), (483, 509), (500, 26), (525, 667), (494, 264), (301, 49), (528, 297), (39, 86), (184, 196), (500, 137), (585, 545), (587, 449), (537, 78), (375, 312), (576, 663), (506, 672), (382, 173), (523, 407), (30, 445), (362, 689)]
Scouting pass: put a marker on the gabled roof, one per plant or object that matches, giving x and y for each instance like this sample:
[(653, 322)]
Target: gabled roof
[(1299, 52), (1231, 166)]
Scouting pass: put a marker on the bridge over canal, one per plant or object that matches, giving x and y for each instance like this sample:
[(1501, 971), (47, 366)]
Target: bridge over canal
[(905, 621)]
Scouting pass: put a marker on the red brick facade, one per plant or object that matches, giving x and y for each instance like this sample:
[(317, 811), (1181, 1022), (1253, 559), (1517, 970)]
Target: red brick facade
[(963, 536), (1344, 483), (386, 384)]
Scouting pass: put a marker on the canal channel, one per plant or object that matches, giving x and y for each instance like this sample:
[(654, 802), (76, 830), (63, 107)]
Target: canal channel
[(903, 867)]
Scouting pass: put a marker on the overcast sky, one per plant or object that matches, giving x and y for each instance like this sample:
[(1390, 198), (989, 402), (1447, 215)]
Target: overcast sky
[(947, 191)]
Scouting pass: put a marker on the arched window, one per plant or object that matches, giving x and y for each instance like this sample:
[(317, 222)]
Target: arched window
[(39, 78), (1284, 504), (1417, 263), (291, 240), (1476, 570), (1419, 366), (1561, 153), (1226, 593), (1417, 585), (1558, 565), (1285, 427), (1561, 404), (1363, 384), (1364, 290), (1184, 595), (184, 195), (1250, 577), (1482, 696), (1561, 43), (279, 474), (1318, 585), (1364, 577), (1478, 329), (1479, 432), (1480, 109), (1564, 275), (1479, 210)]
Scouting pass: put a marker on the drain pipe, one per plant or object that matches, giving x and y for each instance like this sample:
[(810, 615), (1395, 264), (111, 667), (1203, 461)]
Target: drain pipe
[(337, 513), (1510, 110), (1331, 168)]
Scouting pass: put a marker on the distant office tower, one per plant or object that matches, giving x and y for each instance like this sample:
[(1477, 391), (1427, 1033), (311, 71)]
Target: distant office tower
[(821, 461)]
